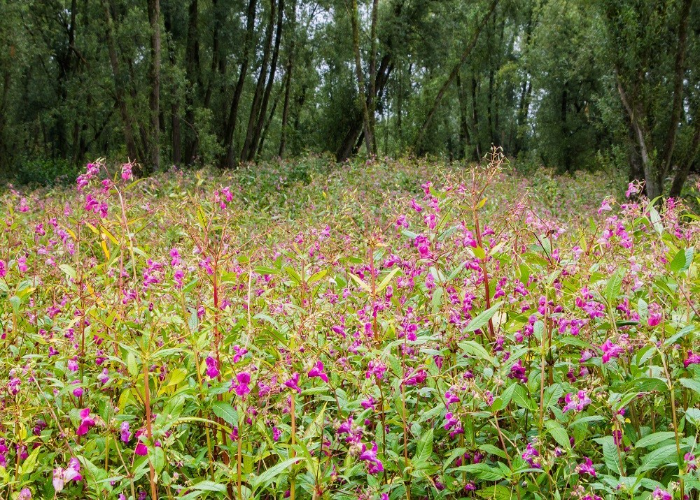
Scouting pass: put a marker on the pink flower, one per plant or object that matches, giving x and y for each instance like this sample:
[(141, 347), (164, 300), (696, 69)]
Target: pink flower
[(660, 494), (586, 467), (212, 367), (692, 359), (125, 432), (86, 423), (293, 382), (317, 371), (576, 401), (242, 389), (127, 175), (374, 464)]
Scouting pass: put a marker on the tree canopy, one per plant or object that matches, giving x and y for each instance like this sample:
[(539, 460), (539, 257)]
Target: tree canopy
[(567, 84)]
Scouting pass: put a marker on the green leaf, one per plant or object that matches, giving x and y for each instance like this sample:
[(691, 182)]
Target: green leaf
[(482, 319), (225, 411), (385, 282), (691, 384), (655, 438), (610, 455), (558, 433), (678, 262), (482, 471), (477, 350), (655, 219), (131, 365), (424, 450), (68, 270), (522, 400), (209, 486), (666, 455), (612, 289), (496, 492), (270, 474)]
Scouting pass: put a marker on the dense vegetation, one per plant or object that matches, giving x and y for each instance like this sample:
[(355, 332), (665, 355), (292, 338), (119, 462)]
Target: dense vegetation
[(373, 330), (568, 85)]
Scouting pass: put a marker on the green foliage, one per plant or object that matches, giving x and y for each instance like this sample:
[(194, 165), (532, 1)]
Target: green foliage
[(335, 331)]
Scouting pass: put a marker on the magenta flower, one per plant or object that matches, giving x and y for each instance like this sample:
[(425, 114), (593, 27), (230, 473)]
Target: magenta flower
[(660, 494), (293, 383), (610, 350), (655, 315), (86, 423), (242, 388), (25, 494), (532, 456), (576, 401), (127, 175), (517, 371), (240, 352), (317, 371), (212, 367), (125, 432), (690, 462), (586, 467), (3, 269), (374, 464), (692, 359), (376, 368), (141, 448)]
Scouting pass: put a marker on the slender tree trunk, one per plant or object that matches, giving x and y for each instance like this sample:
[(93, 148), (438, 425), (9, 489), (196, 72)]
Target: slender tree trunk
[(260, 87), (348, 145), (175, 131), (372, 103), (260, 122), (266, 127), (679, 71), (229, 159), (288, 78), (453, 73), (192, 69), (119, 87), (361, 79), (652, 186), (683, 171), (475, 121), (154, 19), (464, 139), (215, 51)]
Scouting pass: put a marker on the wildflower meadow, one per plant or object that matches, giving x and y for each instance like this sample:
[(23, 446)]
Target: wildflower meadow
[(364, 330)]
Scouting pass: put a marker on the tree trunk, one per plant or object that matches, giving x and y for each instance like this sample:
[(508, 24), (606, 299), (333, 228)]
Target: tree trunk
[(475, 121), (215, 51), (679, 71), (175, 131), (464, 139), (652, 186), (266, 127), (347, 147), (229, 159), (268, 89), (361, 79), (260, 86), (372, 107), (453, 73), (154, 19), (288, 79), (683, 171), (192, 69), (119, 87)]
